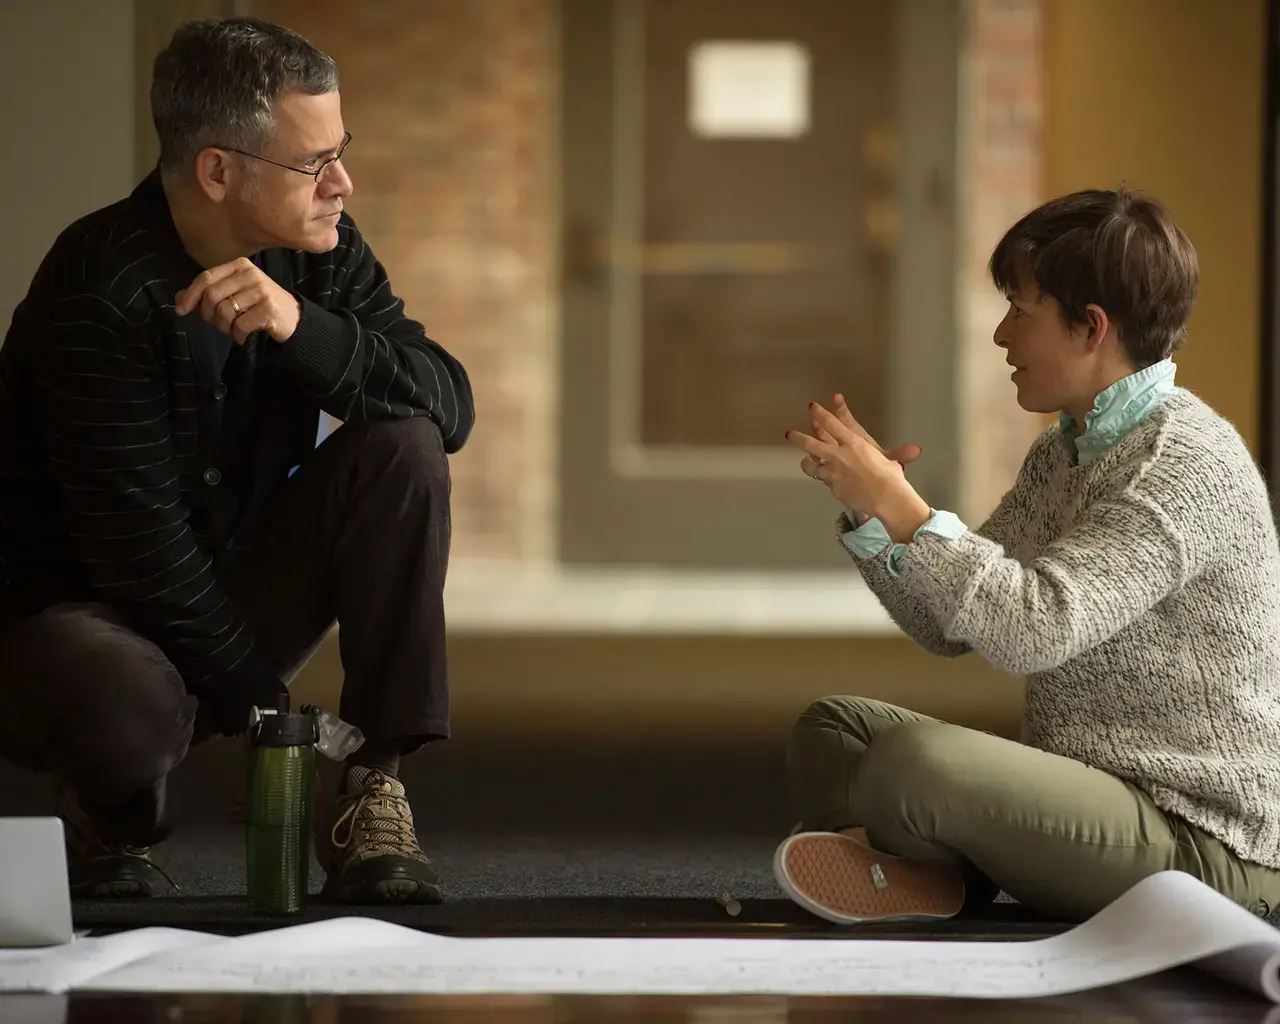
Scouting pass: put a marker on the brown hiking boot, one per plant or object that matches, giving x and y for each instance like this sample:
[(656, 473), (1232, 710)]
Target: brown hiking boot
[(102, 868), (373, 855)]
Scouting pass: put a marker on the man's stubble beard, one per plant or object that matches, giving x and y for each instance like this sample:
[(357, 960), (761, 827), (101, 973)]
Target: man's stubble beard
[(250, 187)]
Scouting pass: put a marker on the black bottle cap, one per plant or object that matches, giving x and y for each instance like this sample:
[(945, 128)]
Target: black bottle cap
[(283, 729)]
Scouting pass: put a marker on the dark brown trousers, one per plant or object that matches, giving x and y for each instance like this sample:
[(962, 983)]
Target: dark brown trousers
[(358, 535)]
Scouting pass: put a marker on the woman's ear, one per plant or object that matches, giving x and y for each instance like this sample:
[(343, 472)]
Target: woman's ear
[(1096, 326)]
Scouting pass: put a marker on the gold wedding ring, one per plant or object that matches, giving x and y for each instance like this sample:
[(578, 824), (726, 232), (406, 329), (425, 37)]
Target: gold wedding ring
[(235, 305)]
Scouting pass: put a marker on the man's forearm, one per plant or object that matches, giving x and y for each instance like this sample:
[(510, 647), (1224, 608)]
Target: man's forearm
[(362, 358)]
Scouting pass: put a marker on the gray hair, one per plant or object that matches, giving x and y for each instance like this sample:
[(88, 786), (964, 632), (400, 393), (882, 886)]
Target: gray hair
[(217, 82)]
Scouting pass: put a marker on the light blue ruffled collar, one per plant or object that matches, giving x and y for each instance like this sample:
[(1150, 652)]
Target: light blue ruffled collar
[(1118, 409)]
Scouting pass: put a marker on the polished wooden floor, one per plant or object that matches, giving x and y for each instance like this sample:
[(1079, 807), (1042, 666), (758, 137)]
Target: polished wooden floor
[(1178, 996)]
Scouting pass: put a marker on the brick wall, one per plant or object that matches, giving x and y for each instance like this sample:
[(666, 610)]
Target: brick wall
[(450, 105), (1002, 120)]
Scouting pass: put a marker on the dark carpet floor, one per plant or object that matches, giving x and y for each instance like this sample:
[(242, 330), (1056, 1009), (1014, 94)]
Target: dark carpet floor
[(535, 884), (550, 839)]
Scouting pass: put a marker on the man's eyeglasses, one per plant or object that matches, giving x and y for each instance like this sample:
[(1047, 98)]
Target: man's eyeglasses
[(310, 172)]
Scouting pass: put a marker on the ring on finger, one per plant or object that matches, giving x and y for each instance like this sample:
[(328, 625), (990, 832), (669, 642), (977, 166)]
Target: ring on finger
[(235, 305)]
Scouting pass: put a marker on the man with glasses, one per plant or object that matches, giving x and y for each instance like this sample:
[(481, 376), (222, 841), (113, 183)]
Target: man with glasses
[(173, 543)]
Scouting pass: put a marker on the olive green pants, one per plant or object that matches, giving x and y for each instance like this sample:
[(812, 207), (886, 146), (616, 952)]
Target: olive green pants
[(1060, 837)]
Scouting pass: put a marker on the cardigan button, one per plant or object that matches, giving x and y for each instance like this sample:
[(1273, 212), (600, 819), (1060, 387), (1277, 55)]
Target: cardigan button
[(220, 391), (212, 477)]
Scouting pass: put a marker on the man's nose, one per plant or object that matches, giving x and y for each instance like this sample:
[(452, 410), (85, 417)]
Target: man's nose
[(336, 181)]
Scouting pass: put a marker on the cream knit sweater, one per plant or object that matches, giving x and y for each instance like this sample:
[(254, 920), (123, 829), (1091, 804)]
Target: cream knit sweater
[(1140, 595)]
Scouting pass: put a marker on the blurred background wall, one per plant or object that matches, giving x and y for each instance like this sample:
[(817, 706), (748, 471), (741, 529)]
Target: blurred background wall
[(633, 552), (1168, 95), (66, 69)]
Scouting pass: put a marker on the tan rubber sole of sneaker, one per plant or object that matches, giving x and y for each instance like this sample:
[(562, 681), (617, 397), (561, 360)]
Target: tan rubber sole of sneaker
[(845, 881)]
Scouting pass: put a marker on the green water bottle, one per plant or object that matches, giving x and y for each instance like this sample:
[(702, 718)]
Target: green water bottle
[(277, 808)]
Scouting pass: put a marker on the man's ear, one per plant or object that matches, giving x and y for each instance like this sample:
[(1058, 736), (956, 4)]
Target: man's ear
[(213, 172)]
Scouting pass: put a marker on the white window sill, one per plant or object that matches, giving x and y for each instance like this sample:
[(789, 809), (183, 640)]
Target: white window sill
[(487, 597)]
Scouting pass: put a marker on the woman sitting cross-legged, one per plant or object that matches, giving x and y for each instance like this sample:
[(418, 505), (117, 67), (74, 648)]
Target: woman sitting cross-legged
[(1132, 574)]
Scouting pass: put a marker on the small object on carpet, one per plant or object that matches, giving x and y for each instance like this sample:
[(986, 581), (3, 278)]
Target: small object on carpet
[(731, 906)]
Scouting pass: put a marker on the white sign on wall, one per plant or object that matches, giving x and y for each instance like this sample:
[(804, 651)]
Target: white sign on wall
[(749, 89)]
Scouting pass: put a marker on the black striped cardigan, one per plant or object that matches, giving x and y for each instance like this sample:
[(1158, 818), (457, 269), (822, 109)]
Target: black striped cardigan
[(118, 481)]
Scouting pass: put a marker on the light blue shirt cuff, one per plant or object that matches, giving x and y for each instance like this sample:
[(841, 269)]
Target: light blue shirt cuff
[(868, 540), (871, 538)]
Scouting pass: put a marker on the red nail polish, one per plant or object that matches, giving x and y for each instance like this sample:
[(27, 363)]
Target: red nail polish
[(810, 405), (786, 433)]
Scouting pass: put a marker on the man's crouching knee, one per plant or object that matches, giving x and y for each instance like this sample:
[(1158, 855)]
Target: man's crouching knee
[(410, 449)]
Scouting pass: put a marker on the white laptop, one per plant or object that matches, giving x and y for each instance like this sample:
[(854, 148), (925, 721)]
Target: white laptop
[(35, 892)]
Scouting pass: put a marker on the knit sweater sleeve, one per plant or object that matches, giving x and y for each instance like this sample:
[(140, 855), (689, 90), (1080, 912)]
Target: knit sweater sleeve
[(1126, 551), (903, 604), (913, 616)]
